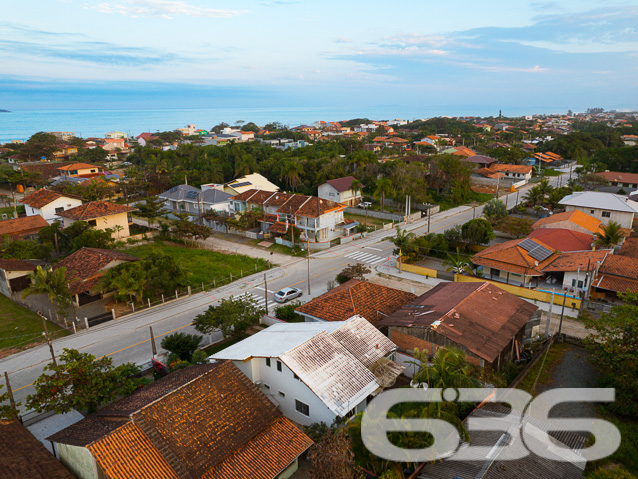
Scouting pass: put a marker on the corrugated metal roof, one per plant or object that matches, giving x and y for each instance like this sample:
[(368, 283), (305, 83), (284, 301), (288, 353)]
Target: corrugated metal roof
[(599, 200)]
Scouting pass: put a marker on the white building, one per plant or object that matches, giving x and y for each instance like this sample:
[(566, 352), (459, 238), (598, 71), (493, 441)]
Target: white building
[(606, 207), (317, 371), (196, 202), (188, 130), (48, 203), (340, 190)]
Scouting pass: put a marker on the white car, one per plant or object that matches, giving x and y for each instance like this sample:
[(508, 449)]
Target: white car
[(287, 294), (364, 204)]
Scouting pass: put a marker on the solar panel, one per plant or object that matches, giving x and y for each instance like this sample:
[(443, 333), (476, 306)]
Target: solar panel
[(535, 250), (191, 194), (173, 189), (245, 183)]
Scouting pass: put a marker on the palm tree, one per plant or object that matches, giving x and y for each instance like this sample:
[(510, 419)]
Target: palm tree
[(544, 186), (611, 235), (534, 195), (448, 369), (129, 282), (458, 263), (53, 283), (292, 173), (384, 188), (355, 186), (402, 240)]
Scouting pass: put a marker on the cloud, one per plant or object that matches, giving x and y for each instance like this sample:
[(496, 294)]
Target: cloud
[(278, 3), (162, 8), (343, 40)]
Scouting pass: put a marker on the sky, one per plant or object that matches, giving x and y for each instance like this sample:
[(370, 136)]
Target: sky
[(571, 54)]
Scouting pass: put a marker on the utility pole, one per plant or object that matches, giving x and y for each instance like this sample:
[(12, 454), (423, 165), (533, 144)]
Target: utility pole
[(308, 255), (46, 333), (549, 315), (266, 290), (10, 393), (562, 312), (399, 260), (153, 342), (429, 216)]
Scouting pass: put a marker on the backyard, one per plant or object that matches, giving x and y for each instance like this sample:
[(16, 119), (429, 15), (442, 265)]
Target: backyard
[(204, 266), (21, 329)]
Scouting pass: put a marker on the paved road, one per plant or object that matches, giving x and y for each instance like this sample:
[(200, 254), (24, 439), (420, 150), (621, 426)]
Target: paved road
[(128, 339)]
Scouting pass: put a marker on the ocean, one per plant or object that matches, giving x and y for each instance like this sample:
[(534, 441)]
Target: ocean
[(21, 124)]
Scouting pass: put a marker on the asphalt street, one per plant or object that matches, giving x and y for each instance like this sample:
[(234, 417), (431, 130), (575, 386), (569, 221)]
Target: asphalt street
[(128, 339)]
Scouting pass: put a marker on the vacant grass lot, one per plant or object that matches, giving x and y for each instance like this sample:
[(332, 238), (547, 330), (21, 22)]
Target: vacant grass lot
[(362, 219), (21, 329), (203, 265)]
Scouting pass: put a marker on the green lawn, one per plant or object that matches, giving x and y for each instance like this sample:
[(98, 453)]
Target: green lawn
[(21, 329), (362, 219), (8, 210), (203, 265)]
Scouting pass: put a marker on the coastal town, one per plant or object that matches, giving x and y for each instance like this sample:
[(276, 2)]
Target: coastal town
[(228, 301)]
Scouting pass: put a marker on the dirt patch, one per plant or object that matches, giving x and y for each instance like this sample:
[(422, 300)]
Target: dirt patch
[(400, 283)]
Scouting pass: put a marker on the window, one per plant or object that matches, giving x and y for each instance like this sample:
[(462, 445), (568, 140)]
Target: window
[(129, 217), (268, 362), (59, 210), (606, 214), (302, 408), (92, 222), (282, 394), (580, 284), (279, 366), (591, 212)]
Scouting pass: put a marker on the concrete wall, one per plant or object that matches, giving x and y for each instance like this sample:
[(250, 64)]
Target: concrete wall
[(411, 268), (79, 461)]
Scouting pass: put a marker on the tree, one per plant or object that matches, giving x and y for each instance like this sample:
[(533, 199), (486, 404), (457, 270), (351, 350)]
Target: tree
[(534, 195), (39, 145), (458, 263), (448, 369), (332, 456), (7, 412), (495, 209), (163, 274), (151, 208), (127, 282), (402, 240), (354, 271), (232, 316), (614, 351), (51, 282), (182, 344), (384, 189), (611, 235), (81, 382), (477, 231), (94, 238)]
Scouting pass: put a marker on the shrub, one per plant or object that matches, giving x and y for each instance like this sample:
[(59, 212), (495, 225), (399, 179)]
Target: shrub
[(495, 209), (181, 344), (286, 312), (518, 227), (355, 271)]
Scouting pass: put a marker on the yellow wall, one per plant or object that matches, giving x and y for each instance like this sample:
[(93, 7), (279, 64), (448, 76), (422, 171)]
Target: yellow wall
[(410, 268), (522, 292), (108, 222)]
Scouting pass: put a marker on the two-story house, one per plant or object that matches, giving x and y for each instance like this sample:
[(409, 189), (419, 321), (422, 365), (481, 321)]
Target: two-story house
[(606, 207), (101, 215), (79, 169), (48, 203), (317, 371), (196, 202), (320, 220), (341, 191)]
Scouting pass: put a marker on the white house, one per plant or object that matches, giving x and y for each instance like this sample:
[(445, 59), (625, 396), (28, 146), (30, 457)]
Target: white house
[(340, 190), (519, 172), (606, 207), (191, 200), (48, 203), (317, 371)]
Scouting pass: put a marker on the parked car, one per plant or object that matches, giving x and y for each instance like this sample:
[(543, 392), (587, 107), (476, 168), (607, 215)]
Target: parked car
[(364, 204), (287, 294)]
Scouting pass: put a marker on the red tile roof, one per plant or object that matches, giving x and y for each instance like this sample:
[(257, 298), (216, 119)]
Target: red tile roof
[(370, 300), (280, 228), (501, 167), (576, 217), (510, 257), (563, 240), (577, 260), (43, 197), (22, 226), (16, 265), (616, 177), (85, 267), (95, 209), (616, 284), (480, 317), (24, 457), (78, 166), (630, 247), (620, 266), (342, 184)]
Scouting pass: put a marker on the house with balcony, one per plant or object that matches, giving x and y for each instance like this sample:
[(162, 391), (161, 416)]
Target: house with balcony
[(320, 371), (341, 191), (195, 201), (319, 220)]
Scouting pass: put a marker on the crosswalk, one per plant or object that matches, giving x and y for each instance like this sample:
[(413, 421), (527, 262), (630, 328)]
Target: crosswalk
[(260, 300), (363, 257)]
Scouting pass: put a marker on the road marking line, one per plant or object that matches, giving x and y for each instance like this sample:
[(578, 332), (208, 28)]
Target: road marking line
[(298, 282), (378, 261), (370, 247), (260, 288)]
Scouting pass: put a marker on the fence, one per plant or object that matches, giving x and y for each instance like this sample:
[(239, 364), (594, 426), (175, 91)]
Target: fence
[(411, 268), (536, 295), (384, 215)]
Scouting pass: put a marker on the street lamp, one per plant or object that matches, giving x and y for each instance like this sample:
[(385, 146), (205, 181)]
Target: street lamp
[(428, 205)]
